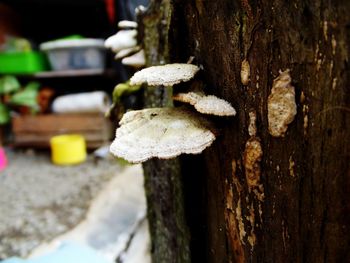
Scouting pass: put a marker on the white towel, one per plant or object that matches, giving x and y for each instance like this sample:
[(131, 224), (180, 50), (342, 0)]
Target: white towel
[(96, 101)]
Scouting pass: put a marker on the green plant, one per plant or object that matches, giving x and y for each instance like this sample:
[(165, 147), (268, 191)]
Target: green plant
[(13, 94)]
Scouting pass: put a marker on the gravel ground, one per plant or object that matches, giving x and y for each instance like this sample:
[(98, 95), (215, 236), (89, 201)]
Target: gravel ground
[(115, 225), (39, 200)]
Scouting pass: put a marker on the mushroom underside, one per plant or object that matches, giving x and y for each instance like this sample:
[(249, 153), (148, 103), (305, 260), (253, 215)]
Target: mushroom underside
[(162, 133)]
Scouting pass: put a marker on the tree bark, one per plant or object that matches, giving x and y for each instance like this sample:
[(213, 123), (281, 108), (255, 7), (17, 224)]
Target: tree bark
[(298, 208), (163, 183)]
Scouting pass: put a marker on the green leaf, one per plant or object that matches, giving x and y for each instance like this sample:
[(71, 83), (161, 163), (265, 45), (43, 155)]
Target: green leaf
[(26, 97), (4, 114), (9, 84), (33, 85)]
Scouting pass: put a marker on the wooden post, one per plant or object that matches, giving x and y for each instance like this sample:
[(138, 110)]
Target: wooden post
[(266, 198)]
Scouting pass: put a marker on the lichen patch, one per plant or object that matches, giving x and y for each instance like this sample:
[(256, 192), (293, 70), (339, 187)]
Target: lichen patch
[(235, 180), (306, 118), (291, 167), (334, 45), (281, 105), (259, 192), (231, 224), (242, 232), (245, 72), (334, 83), (251, 218), (252, 124), (252, 156), (325, 30)]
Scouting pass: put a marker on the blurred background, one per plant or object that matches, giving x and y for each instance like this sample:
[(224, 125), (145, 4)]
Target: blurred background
[(64, 198)]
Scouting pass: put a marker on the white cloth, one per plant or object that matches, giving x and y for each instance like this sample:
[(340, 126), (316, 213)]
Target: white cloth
[(96, 101)]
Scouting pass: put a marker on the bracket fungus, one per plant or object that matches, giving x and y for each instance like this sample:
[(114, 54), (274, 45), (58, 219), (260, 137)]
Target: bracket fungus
[(207, 104), (161, 132), (189, 97), (168, 132), (213, 105), (166, 75), (136, 60), (127, 52), (140, 10), (125, 24), (281, 104), (121, 40)]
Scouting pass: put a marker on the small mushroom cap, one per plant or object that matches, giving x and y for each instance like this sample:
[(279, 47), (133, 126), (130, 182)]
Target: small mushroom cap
[(206, 104), (126, 52), (137, 60), (140, 9), (122, 40), (214, 106), (127, 24), (166, 75), (161, 132), (190, 97)]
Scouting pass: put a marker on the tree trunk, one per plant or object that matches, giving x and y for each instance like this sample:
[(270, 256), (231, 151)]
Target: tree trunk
[(261, 198), (163, 184)]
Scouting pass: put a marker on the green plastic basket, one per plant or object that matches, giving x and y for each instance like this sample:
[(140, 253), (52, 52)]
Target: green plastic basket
[(23, 63)]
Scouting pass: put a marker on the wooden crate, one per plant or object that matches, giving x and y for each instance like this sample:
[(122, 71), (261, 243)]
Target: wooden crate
[(36, 131)]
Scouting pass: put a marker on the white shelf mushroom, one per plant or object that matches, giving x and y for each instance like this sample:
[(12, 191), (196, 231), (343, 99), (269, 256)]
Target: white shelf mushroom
[(127, 52), (166, 75), (189, 97), (121, 40), (137, 60), (213, 105), (125, 24), (162, 133), (140, 9), (207, 104), (168, 132)]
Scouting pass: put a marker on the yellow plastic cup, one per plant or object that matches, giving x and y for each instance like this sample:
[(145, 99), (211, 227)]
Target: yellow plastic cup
[(68, 149)]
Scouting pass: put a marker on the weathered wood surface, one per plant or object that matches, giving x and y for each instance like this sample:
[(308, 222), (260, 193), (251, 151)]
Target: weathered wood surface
[(36, 131), (47, 123), (299, 211)]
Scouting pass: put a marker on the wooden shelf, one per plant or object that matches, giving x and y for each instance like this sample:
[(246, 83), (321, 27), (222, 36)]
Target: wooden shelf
[(74, 73), (36, 131), (69, 73), (108, 73)]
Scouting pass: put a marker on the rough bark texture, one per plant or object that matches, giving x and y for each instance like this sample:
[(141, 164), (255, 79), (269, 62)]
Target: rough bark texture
[(163, 183), (297, 208)]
